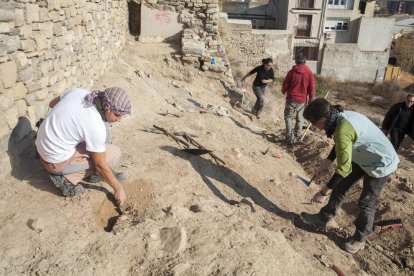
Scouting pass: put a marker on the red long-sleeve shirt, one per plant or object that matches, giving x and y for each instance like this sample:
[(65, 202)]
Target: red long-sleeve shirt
[(298, 84)]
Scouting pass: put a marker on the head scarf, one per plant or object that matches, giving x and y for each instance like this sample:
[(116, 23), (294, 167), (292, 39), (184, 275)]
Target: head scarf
[(332, 120), (113, 99)]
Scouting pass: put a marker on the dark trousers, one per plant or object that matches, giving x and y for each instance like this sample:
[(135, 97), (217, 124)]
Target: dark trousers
[(367, 201), (259, 91), (396, 137)]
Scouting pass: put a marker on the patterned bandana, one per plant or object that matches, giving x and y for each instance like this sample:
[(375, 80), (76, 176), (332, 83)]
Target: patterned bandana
[(331, 121), (113, 99)]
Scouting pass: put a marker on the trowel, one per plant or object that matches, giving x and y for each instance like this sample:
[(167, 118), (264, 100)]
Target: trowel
[(304, 181)]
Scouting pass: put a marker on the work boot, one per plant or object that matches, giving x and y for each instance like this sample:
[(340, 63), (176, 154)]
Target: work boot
[(354, 246), (314, 220), (95, 178), (67, 188), (289, 140)]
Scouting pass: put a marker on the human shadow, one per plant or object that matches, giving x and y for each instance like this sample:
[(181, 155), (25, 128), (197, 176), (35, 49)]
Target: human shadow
[(209, 170), (233, 95), (270, 137), (24, 161), (333, 234)]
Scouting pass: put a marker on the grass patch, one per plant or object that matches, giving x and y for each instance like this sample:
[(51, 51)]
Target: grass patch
[(390, 91)]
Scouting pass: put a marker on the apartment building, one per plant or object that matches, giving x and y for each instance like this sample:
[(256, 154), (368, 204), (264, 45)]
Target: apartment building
[(329, 32)]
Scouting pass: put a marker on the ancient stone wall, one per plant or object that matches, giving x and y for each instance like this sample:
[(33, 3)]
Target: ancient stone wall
[(247, 46), (200, 38), (47, 47)]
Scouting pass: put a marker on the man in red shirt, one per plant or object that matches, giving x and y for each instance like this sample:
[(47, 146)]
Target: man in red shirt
[(299, 87)]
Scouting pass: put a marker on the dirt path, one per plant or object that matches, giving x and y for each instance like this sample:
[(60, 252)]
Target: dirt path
[(187, 215)]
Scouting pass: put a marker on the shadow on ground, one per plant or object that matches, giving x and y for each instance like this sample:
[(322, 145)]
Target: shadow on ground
[(24, 160), (209, 170)]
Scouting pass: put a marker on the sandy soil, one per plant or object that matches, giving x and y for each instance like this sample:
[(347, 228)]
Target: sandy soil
[(188, 215)]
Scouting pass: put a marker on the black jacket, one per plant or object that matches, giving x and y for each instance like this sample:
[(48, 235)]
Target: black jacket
[(403, 117)]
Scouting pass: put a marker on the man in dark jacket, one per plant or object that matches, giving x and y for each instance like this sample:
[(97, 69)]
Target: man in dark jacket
[(399, 121), (299, 87)]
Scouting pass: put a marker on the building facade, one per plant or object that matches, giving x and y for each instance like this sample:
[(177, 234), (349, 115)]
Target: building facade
[(323, 29)]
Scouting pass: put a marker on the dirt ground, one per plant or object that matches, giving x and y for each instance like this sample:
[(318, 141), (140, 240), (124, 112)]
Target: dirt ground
[(186, 214)]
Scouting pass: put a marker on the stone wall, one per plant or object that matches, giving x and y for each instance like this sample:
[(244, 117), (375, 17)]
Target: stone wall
[(47, 47), (346, 62), (200, 39), (248, 46)]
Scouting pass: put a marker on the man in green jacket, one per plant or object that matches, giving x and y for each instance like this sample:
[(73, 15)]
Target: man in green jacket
[(361, 151)]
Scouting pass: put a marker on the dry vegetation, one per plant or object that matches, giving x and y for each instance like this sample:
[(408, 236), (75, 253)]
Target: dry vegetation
[(404, 52)]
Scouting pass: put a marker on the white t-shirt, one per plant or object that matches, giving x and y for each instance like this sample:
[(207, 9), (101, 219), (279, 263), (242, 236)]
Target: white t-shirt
[(68, 124)]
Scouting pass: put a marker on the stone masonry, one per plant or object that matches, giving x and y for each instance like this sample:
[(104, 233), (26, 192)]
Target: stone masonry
[(47, 47), (201, 38)]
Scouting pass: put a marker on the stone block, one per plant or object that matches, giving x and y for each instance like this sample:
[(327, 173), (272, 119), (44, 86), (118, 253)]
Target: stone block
[(53, 4), (53, 77), (12, 42), (55, 16), (31, 114), (47, 29), (18, 91), (73, 11), (68, 37), (5, 27), (6, 14), (4, 130), (41, 108), (4, 142), (44, 15), (6, 100), (40, 40), (71, 23), (11, 117), (25, 31), (57, 43), (28, 45), (21, 60), (59, 87), (30, 99), (42, 94), (19, 18), (44, 67), (57, 29), (8, 73), (32, 87), (25, 75), (32, 13), (5, 165), (21, 107)]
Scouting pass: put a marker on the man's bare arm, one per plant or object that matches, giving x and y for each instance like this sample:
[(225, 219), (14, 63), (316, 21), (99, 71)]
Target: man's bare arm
[(104, 170)]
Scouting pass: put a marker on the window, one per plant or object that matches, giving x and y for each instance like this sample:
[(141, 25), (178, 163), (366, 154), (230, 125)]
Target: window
[(340, 4), (306, 4), (337, 25)]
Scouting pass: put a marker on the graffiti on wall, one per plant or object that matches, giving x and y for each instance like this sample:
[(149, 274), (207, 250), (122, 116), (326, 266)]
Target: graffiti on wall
[(163, 16)]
